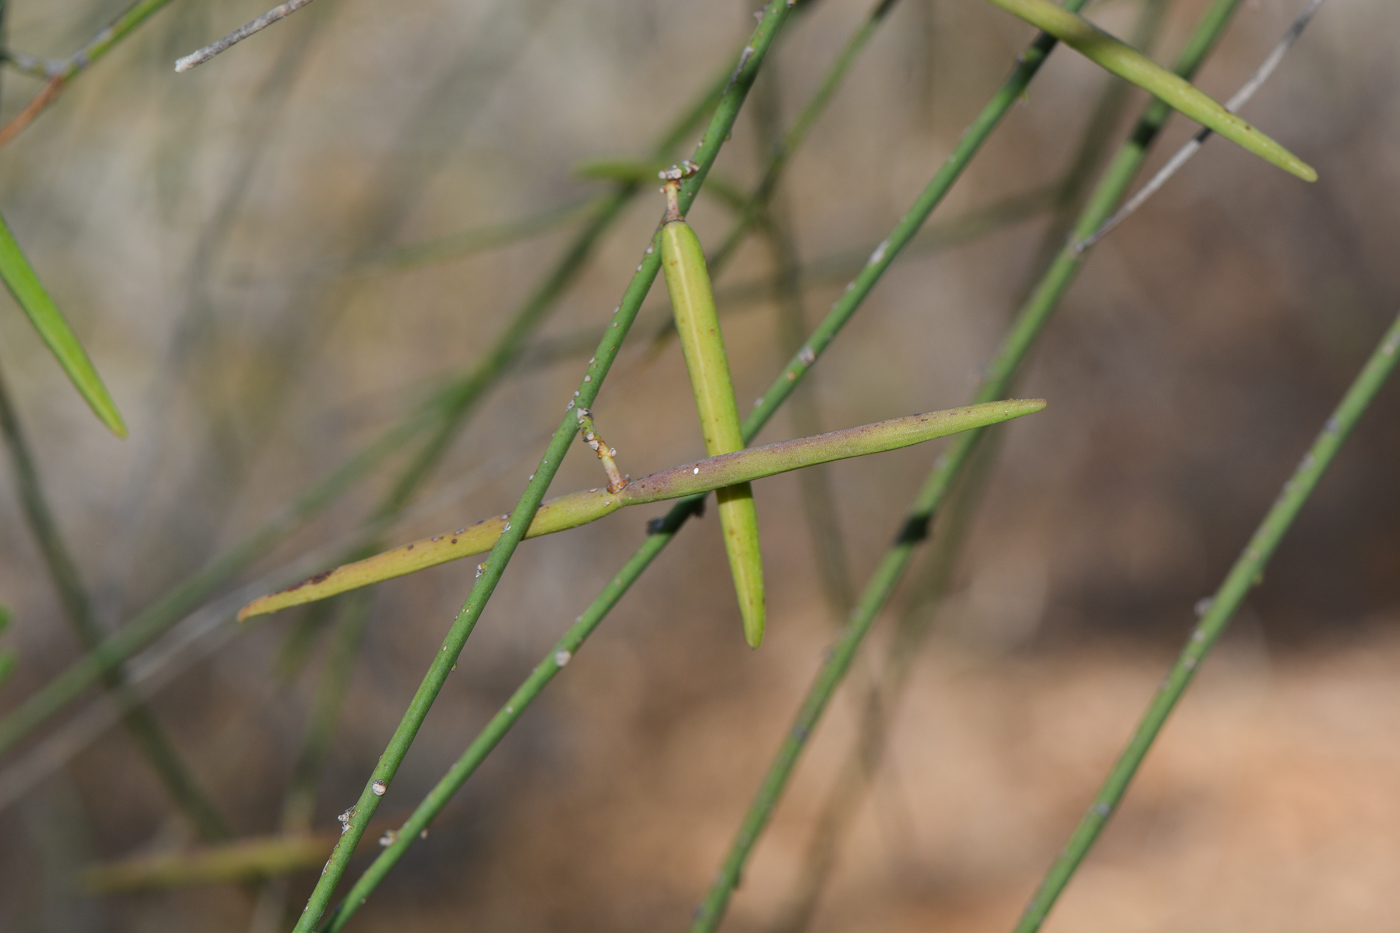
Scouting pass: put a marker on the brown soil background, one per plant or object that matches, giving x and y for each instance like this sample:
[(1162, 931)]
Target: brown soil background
[(1200, 350)]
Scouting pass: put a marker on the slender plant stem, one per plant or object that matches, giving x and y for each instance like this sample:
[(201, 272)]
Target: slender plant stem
[(662, 531), (199, 57), (1246, 573), (61, 72), (946, 468), (726, 111), (139, 719), (489, 236)]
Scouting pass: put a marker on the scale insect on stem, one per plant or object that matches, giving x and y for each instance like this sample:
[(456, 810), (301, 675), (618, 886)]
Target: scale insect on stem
[(702, 344)]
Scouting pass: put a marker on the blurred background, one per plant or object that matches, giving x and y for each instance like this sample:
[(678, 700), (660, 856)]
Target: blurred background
[(277, 256)]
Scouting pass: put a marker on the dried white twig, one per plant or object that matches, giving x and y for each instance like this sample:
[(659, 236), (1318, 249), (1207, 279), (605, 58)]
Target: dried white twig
[(281, 11), (1184, 154)]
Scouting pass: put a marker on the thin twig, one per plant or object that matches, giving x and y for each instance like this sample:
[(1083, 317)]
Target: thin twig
[(1247, 573), (281, 11), (61, 71), (1193, 146)]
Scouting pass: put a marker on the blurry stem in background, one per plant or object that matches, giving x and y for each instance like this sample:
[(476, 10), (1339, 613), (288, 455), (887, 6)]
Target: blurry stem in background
[(881, 699), (1247, 572), (877, 708), (194, 326), (299, 802), (140, 721), (783, 149), (662, 531), (488, 236), (60, 72), (771, 20), (832, 269), (235, 431), (1099, 135), (200, 586), (946, 469), (823, 522), (782, 152), (199, 57)]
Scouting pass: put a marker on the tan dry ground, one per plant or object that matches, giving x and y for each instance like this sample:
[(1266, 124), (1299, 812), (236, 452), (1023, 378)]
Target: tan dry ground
[(1270, 804)]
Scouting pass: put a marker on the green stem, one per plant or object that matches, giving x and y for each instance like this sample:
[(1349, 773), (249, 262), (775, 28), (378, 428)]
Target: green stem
[(1247, 572), (726, 111), (139, 719), (664, 530), (1029, 324)]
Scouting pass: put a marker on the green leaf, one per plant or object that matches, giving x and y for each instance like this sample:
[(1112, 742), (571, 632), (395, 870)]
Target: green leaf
[(1128, 63), (24, 284)]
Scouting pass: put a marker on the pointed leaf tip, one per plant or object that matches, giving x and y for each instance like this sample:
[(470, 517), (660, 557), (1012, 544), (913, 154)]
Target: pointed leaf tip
[(23, 282), (1128, 63)]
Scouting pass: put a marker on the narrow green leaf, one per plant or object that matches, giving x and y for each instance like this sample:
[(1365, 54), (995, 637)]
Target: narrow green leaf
[(688, 479), (24, 284), (1128, 63)]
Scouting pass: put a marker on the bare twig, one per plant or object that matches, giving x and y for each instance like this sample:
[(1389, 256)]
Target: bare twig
[(281, 11), (1186, 152), (60, 71)]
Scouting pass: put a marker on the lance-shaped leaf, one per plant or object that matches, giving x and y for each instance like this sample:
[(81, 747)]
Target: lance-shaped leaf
[(24, 284), (688, 479), (1128, 63)]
